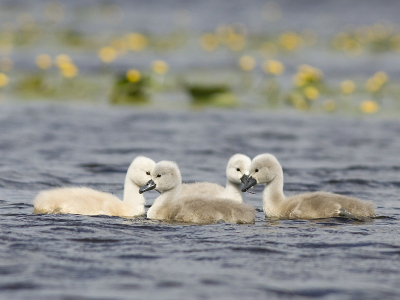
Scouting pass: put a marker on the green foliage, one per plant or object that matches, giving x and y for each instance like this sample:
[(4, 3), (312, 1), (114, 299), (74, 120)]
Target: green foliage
[(34, 85), (218, 95), (127, 92)]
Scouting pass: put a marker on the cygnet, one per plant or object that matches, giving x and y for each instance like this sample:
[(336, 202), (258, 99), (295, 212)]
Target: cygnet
[(86, 201), (200, 209), (237, 172), (265, 169)]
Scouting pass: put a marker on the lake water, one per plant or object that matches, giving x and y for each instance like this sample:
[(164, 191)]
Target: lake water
[(81, 257)]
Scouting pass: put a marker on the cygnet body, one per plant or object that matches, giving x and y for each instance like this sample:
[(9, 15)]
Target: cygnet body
[(265, 169), (200, 209), (86, 201), (237, 171)]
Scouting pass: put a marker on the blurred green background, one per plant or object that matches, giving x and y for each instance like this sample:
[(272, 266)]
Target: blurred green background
[(313, 56)]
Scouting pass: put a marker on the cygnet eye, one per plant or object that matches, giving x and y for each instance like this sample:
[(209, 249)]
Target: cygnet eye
[(256, 170), (147, 173), (159, 175), (238, 169)]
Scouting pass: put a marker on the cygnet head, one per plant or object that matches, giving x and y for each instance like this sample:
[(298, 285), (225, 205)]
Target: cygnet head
[(164, 176), (264, 168), (140, 169), (238, 168)]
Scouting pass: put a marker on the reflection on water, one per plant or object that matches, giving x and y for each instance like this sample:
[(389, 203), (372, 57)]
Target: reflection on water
[(100, 257)]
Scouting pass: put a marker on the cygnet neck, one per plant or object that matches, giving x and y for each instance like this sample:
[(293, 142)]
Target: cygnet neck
[(273, 195), (171, 194), (232, 191), (132, 196), (168, 196)]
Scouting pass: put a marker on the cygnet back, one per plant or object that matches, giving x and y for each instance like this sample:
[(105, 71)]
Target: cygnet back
[(86, 201), (237, 170), (265, 169), (193, 208)]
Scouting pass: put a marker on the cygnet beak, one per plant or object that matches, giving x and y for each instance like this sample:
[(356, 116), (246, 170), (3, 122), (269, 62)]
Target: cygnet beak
[(150, 185), (244, 178), (249, 184)]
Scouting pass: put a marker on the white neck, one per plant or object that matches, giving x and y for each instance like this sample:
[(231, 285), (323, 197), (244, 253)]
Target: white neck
[(232, 191), (132, 199), (165, 197), (273, 197)]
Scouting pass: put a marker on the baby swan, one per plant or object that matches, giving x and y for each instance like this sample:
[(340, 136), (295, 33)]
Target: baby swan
[(237, 172), (265, 168), (200, 209), (86, 201)]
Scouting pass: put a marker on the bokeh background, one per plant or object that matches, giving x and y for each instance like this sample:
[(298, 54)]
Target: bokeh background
[(338, 57)]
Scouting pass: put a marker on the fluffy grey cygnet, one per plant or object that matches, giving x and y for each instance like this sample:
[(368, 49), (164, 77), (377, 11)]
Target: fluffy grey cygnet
[(200, 209), (86, 201), (265, 169), (237, 171)]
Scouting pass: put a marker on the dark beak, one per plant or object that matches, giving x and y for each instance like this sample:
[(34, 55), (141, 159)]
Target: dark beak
[(150, 185), (244, 178), (249, 184)]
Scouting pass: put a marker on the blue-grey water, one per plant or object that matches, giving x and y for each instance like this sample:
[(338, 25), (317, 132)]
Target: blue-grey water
[(81, 257)]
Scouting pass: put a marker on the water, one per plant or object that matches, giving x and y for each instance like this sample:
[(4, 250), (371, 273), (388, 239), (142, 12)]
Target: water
[(81, 257)]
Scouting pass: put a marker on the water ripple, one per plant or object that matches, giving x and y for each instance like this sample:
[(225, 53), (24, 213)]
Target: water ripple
[(18, 286), (255, 250), (103, 168), (303, 292), (101, 257), (138, 256)]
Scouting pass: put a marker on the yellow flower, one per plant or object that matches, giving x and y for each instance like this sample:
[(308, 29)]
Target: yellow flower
[(137, 41), (133, 75), (299, 79), (290, 41), (376, 82), (312, 72), (307, 74), (352, 47), (273, 67), (209, 42), (347, 87), (62, 59), (223, 32), (247, 63), (311, 92), (236, 42), (369, 107), (329, 105), (43, 61), (107, 54), (3, 80), (372, 85), (381, 77), (68, 70), (160, 67)]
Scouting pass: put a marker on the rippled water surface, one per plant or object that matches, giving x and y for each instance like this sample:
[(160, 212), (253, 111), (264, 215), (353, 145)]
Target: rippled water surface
[(81, 257)]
